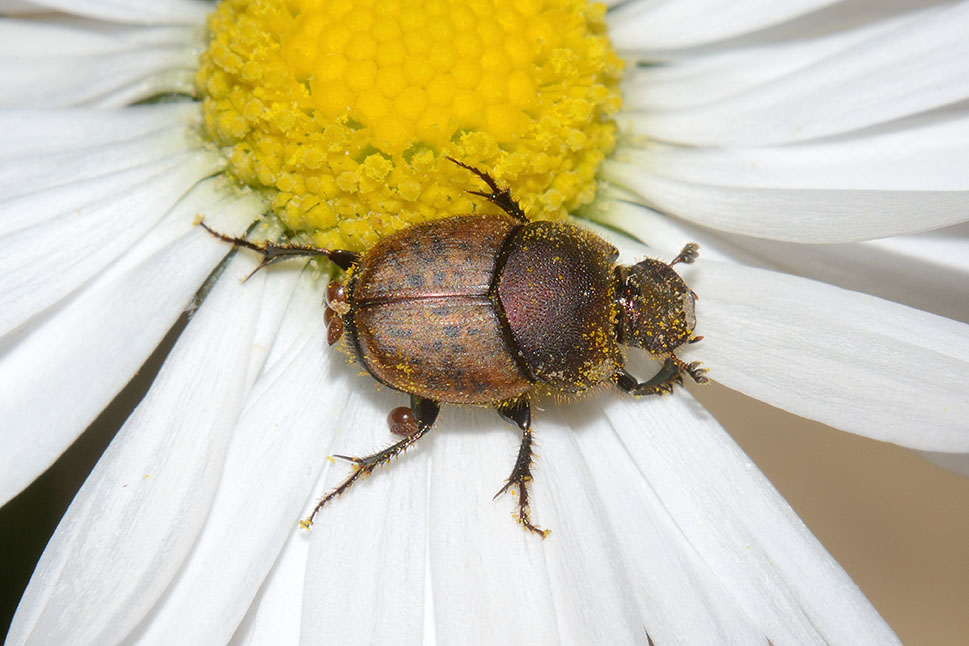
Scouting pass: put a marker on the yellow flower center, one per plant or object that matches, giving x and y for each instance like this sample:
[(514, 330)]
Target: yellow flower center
[(347, 109)]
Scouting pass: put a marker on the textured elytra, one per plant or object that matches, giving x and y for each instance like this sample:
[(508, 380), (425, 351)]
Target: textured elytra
[(455, 256), (423, 320), (446, 349)]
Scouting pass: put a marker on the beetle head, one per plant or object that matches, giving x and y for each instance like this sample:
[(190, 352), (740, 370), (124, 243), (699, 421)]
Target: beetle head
[(655, 307)]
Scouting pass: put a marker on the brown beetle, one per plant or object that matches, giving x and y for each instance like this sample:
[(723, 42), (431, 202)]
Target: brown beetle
[(486, 309)]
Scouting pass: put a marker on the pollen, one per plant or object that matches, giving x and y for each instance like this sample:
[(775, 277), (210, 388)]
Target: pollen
[(345, 111)]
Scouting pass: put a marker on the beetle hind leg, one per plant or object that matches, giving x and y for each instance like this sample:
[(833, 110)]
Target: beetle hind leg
[(519, 413), (424, 413), (273, 253)]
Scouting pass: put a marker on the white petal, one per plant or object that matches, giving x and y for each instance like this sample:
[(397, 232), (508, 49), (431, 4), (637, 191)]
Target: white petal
[(484, 568), (693, 79), (847, 359), (650, 233), (274, 617), (741, 529), (11, 7), (920, 157), (954, 462), (38, 207), (583, 551), (53, 35), (501, 578), (277, 453), (37, 133), (918, 271), (88, 156), (365, 581), (51, 65), (137, 516), (945, 248), (795, 214), (668, 25), (135, 11), (680, 600), (48, 260), (913, 68), (137, 299), (38, 173)]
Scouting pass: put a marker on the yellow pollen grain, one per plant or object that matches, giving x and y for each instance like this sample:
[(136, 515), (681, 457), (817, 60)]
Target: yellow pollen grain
[(345, 111)]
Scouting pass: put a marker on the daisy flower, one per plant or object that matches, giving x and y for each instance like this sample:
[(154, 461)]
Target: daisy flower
[(808, 146)]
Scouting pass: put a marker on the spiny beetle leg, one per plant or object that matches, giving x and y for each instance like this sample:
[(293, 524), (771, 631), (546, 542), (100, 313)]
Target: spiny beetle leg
[(425, 412), (662, 382), (501, 197), (695, 369), (518, 412), (273, 253)]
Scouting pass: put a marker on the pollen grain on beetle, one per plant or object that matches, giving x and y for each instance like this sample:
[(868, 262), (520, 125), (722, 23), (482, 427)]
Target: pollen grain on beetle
[(345, 111)]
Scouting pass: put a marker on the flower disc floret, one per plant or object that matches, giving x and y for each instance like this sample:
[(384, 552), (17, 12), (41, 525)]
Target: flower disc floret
[(346, 110)]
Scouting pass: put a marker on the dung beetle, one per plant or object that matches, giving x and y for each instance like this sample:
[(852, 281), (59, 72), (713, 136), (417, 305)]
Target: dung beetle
[(489, 309)]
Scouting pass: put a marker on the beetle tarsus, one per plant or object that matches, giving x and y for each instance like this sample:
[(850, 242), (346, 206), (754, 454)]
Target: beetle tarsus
[(695, 369), (518, 412), (500, 197), (697, 372), (425, 412), (273, 253), (688, 255)]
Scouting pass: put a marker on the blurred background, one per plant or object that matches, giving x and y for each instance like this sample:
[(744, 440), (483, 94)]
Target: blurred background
[(898, 524)]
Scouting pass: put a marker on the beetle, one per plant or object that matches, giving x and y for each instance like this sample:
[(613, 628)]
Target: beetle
[(491, 309)]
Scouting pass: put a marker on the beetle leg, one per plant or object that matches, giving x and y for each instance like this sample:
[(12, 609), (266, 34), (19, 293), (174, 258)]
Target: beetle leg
[(518, 412), (425, 412), (695, 369), (273, 253), (662, 382), (501, 197), (688, 255)]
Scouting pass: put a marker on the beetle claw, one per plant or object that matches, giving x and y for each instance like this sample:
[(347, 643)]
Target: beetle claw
[(347, 458), (695, 370)]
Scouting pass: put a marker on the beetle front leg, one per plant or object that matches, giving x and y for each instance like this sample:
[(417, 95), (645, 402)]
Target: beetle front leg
[(519, 413), (695, 368), (424, 411), (662, 382)]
